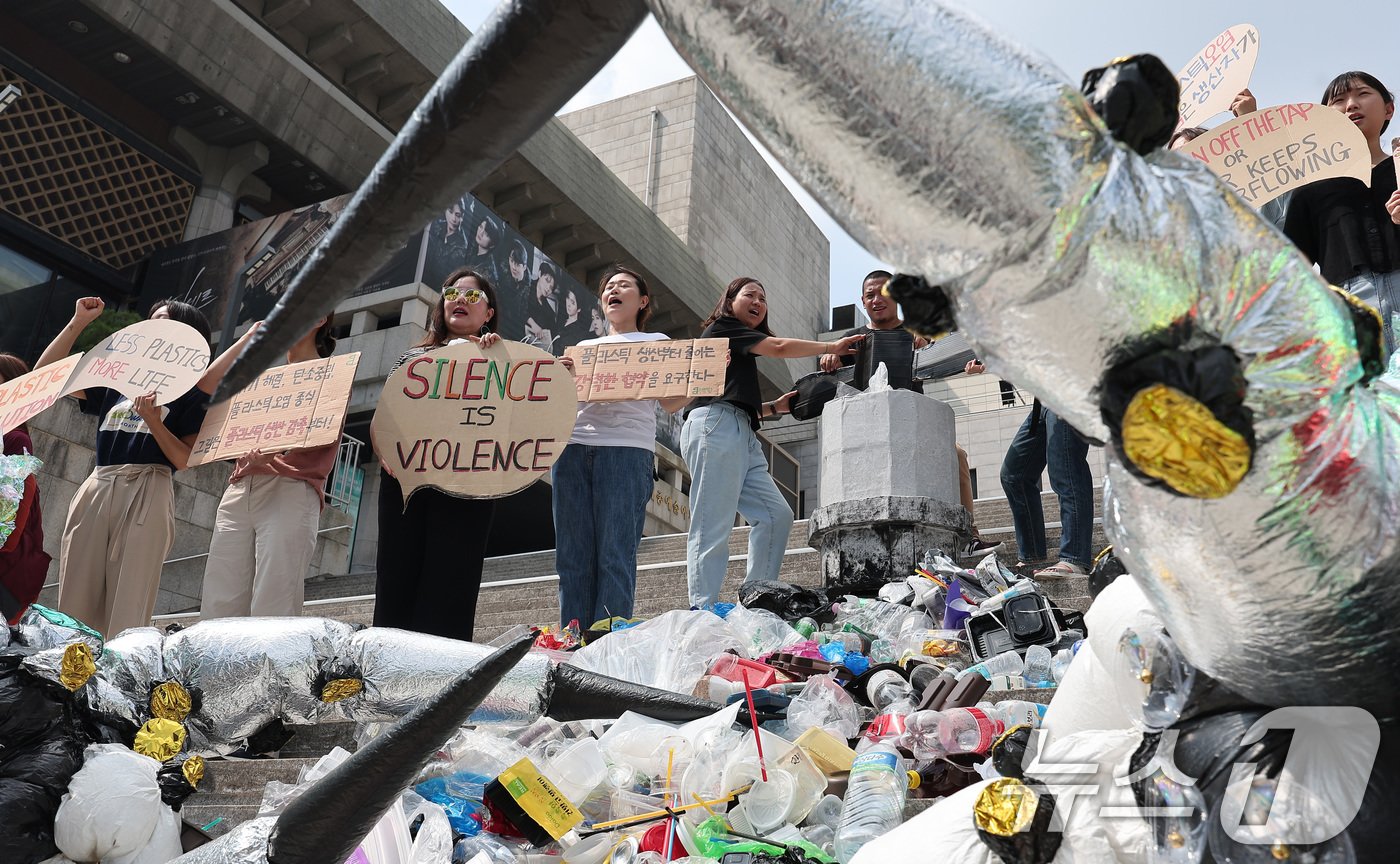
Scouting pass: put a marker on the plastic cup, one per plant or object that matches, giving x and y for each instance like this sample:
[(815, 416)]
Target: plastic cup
[(579, 769), (767, 802)]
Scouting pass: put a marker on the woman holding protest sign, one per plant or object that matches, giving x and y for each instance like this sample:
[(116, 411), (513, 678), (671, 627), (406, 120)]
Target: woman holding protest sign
[(431, 551), (265, 527), (728, 470), (603, 479), (1344, 227), (23, 561), (121, 522)]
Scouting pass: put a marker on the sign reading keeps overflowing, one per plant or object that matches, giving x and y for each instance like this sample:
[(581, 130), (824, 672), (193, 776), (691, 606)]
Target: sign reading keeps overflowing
[(287, 407), (474, 423), (1266, 153)]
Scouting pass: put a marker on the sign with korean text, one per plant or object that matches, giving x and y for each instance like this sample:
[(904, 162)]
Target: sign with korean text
[(287, 407), (473, 422), (157, 355), (1210, 82), (23, 397), (1266, 153), (621, 371)]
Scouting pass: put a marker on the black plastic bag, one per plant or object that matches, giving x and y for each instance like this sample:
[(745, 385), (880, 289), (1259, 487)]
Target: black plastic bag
[(26, 828), (788, 602)]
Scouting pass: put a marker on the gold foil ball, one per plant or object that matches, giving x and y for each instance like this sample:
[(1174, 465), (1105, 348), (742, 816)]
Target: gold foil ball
[(1280, 851), (341, 688), (193, 769), (1171, 437), (160, 739), (1005, 807), (76, 667), (170, 701), (1176, 840)]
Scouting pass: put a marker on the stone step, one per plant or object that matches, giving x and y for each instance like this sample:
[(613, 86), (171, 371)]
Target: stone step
[(995, 512)]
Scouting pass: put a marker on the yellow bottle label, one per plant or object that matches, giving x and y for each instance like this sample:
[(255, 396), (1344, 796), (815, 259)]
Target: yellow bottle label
[(539, 799)]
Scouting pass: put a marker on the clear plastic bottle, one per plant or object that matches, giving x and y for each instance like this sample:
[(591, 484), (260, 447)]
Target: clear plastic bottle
[(921, 735), (1017, 712), (1006, 663), (968, 730), (1060, 665), (874, 800), (1038, 667), (887, 687)]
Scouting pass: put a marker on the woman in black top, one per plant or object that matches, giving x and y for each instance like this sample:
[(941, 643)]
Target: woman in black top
[(728, 471), (431, 552), (1344, 227)]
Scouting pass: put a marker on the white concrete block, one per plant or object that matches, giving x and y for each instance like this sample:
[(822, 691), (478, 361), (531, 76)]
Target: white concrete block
[(859, 461)]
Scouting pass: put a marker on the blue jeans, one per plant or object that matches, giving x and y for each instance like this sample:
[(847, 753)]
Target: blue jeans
[(600, 508), (1381, 290), (1046, 441), (727, 473)]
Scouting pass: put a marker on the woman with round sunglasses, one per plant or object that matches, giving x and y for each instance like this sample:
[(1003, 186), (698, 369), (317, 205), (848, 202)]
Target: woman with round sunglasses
[(603, 478), (432, 551)]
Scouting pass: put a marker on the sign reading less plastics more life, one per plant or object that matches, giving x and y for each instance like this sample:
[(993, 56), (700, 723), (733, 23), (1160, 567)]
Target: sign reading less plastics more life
[(287, 407), (23, 397), (620, 371), (157, 355), (1266, 153), (1210, 82), (474, 423)]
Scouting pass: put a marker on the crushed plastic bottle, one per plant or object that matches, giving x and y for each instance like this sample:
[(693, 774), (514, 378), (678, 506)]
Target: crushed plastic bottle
[(968, 730), (1017, 712), (874, 800), (1060, 665), (1038, 671), (1007, 663), (921, 735), (887, 687)]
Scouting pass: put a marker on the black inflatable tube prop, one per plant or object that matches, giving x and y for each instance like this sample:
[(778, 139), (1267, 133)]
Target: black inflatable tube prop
[(326, 822), (582, 695), (494, 95)]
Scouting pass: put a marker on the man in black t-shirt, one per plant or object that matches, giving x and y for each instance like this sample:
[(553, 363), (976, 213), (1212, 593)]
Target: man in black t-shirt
[(884, 315)]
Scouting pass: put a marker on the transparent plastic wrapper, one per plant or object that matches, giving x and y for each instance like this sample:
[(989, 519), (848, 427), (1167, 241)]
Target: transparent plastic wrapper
[(14, 470), (475, 751), (931, 642), (759, 631), (245, 672), (671, 652), (824, 703), (433, 842), (112, 805)]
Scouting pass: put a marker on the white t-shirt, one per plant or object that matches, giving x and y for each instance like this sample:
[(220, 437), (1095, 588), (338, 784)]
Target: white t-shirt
[(618, 424)]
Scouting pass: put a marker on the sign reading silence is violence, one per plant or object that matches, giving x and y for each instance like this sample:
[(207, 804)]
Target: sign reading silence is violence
[(473, 422), (159, 355)]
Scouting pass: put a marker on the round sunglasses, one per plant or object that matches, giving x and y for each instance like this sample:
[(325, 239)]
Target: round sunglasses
[(471, 295)]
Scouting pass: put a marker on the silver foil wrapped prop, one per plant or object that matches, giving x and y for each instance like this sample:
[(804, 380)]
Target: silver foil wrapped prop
[(971, 162)]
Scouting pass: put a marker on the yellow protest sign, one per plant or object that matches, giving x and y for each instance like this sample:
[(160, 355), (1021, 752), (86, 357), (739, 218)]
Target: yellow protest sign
[(23, 397), (157, 355), (1210, 82), (473, 422), (287, 407), (622, 371), (1265, 154)]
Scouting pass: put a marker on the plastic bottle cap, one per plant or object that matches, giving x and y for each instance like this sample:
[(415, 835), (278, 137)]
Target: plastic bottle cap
[(914, 779)]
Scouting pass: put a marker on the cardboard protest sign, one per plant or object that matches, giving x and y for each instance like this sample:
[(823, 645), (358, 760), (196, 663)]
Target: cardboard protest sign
[(287, 407), (23, 397), (474, 423), (156, 355), (1210, 82), (621, 371), (1266, 153)]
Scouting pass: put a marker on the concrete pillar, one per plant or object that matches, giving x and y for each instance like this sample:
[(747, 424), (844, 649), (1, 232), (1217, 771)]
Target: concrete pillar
[(364, 321), (888, 487), (415, 311), (225, 175)]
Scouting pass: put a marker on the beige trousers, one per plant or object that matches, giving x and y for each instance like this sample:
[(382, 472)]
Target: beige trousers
[(119, 530), (264, 540)]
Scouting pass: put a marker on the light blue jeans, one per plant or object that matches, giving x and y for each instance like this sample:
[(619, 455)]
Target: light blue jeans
[(1381, 290), (728, 473), (600, 509)]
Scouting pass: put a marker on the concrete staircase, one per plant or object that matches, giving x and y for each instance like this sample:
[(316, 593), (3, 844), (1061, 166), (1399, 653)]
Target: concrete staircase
[(523, 589)]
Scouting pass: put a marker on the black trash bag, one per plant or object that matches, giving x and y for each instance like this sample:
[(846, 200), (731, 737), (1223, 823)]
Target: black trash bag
[(863, 579), (27, 708), (26, 828), (48, 763), (1107, 567), (788, 602), (1137, 99), (1009, 752), (177, 780)]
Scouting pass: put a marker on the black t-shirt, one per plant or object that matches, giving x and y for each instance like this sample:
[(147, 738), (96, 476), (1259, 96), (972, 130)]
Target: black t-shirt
[(741, 377), (123, 438), (1343, 227)]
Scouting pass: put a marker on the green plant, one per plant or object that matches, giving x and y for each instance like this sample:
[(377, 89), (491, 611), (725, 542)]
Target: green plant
[(109, 322)]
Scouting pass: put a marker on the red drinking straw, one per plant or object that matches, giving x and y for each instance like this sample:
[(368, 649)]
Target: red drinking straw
[(753, 718)]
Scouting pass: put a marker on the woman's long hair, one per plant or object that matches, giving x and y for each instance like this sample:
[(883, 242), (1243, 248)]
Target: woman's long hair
[(325, 342), (437, 335), (725, 306)]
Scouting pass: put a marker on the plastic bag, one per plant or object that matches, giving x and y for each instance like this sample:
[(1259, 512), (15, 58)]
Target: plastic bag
[(433, 842), (787, 601), (112, 806), (164, 845), (824, 703), (759, 631), (671, 652)]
